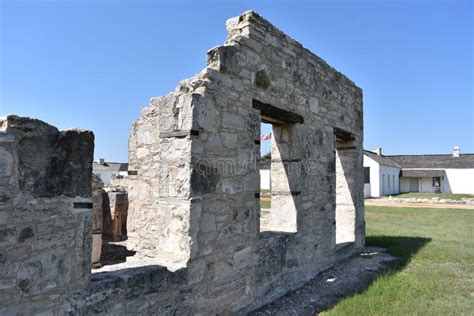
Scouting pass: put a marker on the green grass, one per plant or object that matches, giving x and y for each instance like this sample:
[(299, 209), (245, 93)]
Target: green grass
[(432, 195), (265, 201), (434, 272)]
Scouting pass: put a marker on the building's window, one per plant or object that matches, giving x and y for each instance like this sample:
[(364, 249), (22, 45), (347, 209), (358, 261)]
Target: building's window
[(366, 174), (388, 181), (383, 184), (393, 182), (436, 181)]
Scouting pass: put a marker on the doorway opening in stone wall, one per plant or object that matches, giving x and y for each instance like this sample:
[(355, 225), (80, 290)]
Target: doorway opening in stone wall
[(109, 225), (345, 162), (278, 212)]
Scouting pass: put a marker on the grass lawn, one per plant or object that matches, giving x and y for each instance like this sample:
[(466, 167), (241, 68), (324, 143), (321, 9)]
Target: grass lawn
[(434, 272), (265, 201), (432, 195)]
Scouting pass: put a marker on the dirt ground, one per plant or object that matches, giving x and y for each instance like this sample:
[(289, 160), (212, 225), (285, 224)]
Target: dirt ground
[(380, 202), (326, 289)]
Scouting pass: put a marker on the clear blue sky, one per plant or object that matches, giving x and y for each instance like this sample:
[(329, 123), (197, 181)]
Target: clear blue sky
[(95, 64)]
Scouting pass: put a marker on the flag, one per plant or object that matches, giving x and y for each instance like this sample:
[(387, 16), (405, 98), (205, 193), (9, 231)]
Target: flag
[(266, 137)]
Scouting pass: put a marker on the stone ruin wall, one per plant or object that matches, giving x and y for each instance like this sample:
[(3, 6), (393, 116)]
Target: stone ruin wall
[(159, 179), (193, 188), (45, 213), (192, 154), (100, 206)]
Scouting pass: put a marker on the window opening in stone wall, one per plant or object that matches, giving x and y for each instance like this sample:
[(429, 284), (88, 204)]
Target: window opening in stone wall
[(383, 184), (345, 155), (279, 213), (264, 163), (110, 207)]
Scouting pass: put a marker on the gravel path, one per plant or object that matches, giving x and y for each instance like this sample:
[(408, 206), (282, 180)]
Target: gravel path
[(325, 290), (422, 205)]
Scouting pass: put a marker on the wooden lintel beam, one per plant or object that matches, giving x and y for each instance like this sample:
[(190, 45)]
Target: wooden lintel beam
[(272, 114), (179, 134), (343, 135)]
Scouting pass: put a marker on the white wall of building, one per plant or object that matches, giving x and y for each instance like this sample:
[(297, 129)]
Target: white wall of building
[(383, 180), (389, 180), (426, 185), (367, 190), (374, 188), (106, 176), (265, 179), (459, 181), (404, 185), (386, 181), (456, 181)]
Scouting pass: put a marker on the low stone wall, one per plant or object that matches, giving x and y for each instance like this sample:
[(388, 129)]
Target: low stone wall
[(45, 213), (156, 290)]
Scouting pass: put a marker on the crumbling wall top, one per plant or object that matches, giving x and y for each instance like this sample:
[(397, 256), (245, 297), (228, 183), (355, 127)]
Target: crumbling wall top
[(252, 25), (42, 161)]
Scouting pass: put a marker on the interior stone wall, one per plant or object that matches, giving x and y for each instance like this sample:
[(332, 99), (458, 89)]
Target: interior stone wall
[(346, 164), (159, 181), (100, 205)]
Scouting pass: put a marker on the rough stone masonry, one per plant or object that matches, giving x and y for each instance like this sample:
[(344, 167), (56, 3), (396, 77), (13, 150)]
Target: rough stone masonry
[(45, 213), (194, 210)]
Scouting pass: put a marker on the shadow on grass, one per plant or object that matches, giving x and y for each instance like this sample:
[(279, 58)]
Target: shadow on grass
[(404, 248), (348, 279)]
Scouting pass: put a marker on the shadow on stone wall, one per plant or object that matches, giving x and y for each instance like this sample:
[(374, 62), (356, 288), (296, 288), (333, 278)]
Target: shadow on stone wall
[(113, 253), (353, 276)]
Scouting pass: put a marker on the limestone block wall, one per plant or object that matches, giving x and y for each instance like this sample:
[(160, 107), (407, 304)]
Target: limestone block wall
[(159, 181), (346, 164), (45, 213), (193, 187), (100, 204), (194, 182)]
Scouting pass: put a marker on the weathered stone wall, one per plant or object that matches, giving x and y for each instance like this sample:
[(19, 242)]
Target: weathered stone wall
[(45, 213), (346, 163), (159, 181), (193, 184), (115, 219), (194, 176), (100, 204)]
